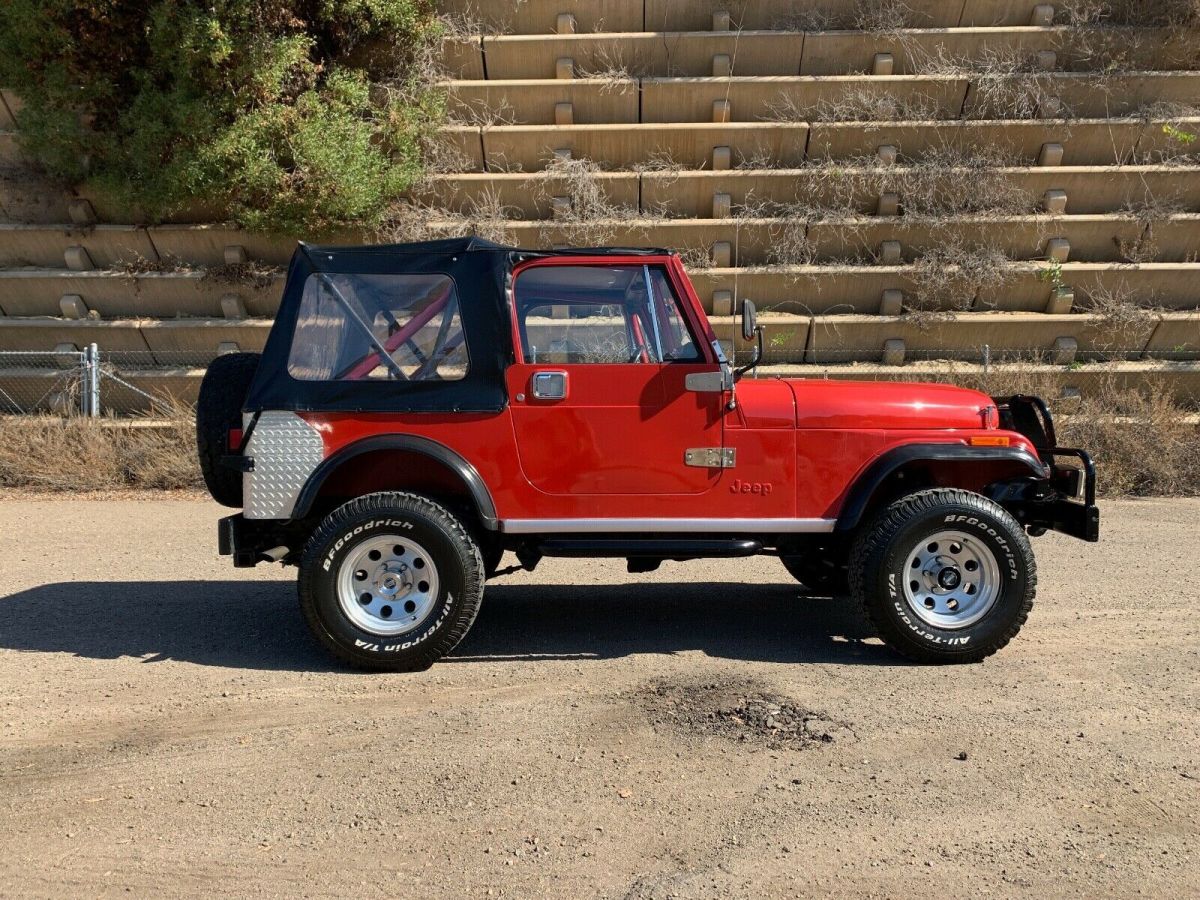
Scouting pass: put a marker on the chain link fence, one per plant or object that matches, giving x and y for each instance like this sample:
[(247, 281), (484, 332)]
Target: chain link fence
[(59, 382), (94, 382)]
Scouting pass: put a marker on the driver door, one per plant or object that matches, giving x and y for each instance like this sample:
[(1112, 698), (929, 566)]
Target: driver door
[(598, 396)]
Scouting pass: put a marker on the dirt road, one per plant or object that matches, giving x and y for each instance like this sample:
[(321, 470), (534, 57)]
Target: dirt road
[(167, 727)]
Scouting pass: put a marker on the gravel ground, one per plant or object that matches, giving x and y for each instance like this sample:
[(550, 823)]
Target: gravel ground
[(167, 727)]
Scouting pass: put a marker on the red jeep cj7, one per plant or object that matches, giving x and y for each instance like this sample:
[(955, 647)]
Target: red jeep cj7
[(419, 409)]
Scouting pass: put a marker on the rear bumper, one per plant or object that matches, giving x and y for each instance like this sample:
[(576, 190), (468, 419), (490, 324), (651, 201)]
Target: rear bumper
[(251, 541)]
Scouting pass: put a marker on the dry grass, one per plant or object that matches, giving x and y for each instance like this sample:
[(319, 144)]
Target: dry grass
[(590, 217), (875, 16), (1125, 317), (857, 104), (1177, 14), (140, 265), (1148, 448), (469, 23), (46, 452), (481, 114), (948, 278), (253, 273), (943, 183), (1149, 214), (1142, 441)]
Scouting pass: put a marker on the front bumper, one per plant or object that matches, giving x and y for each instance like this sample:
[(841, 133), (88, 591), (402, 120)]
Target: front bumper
[(1066, 502), (1071, 505)]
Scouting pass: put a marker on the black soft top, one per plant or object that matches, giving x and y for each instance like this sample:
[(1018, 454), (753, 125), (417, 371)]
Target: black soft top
[(481, 271)]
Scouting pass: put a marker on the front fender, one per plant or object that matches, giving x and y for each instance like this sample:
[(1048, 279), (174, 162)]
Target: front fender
[(858, 498)]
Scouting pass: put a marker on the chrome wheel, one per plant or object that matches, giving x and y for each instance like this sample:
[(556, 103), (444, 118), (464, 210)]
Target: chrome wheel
[(951, 580), (388, 585)]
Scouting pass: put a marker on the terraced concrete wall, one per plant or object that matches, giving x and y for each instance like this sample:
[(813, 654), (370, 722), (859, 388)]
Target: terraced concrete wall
[(960, 191)]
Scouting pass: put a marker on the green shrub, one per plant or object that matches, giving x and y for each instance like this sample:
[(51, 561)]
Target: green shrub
[(279, 114)]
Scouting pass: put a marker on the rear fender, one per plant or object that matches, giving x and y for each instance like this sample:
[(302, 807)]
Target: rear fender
[(460, 470)]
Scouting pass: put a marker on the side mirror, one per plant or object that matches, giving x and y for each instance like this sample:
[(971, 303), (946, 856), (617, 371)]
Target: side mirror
[(749, 320), (750, 330)]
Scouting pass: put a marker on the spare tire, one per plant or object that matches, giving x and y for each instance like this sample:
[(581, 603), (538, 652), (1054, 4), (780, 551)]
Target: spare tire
[(219, 408)]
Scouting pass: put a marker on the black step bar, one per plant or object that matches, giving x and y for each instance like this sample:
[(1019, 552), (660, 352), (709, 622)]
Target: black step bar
[(648, 548)]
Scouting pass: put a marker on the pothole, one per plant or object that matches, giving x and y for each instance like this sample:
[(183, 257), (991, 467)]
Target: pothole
[(739, 710)]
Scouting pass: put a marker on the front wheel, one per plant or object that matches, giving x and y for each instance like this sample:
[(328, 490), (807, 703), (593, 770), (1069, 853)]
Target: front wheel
[(944, 575), (391, 582)]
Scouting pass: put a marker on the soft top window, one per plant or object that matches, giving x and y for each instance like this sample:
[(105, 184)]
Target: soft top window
[(365, 327), (601, 314)]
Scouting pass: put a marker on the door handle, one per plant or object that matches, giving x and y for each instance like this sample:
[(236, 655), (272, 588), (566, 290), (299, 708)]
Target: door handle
[(549, 385)]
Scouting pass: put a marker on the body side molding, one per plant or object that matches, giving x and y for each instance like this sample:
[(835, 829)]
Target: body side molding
[(667, 526)]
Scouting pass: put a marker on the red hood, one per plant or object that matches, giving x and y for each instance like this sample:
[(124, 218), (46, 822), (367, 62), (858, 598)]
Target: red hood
[(872, 404)]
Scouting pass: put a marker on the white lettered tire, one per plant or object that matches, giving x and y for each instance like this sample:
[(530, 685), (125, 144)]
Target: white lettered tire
[(944, 576), (391, 582)]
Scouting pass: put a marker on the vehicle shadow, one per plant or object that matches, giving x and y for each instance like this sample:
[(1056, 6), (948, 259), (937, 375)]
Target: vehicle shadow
[(729, 620), (257, 625)]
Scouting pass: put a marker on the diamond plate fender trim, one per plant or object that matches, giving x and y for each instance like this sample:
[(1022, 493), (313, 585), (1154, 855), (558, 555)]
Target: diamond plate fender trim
[(286, 450)]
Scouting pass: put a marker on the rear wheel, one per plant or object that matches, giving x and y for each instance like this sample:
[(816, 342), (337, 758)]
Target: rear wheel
[(944, 576), (219, 409), (391, 581)]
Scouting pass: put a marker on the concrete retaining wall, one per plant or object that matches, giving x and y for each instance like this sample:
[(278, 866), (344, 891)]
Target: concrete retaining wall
[(1180, 380), (782, 108), (1084, 142), (834, 339), (26, 198), (1175, 238), (36, 292), (787, 144), (846, 52), (198, 337), (1084, 95), (541, 16), (1177, 336), (525, 196), (46, 334), (204, 245), (1092, 238), (793, 98), (687, 53), (463, 58), (593, 101), (671, 15), (106, 245), (1025, 287), (1090, 189), (678, 145)]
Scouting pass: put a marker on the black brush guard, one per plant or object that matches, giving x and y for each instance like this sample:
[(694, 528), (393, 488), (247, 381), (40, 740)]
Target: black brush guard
[(1065, 502)]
